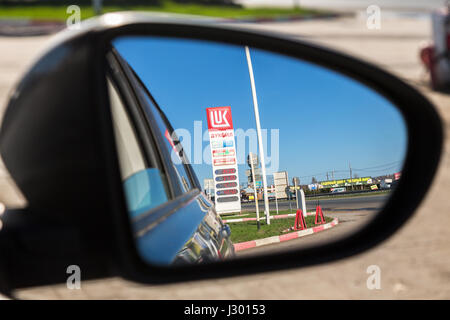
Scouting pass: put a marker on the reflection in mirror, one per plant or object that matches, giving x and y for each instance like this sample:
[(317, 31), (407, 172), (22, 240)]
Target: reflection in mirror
[(192, 114)]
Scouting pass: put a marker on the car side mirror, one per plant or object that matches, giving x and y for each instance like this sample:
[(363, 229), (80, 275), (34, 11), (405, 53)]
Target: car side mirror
[(93, 138)]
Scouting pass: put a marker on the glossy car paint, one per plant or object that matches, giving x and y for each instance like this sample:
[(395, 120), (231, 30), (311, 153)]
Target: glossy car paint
[(163, 232)]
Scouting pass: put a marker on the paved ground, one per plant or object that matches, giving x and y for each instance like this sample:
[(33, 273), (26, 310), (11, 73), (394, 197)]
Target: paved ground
[(16, 55), (415, 263), (348, 222), (342, 204), (352, 213)]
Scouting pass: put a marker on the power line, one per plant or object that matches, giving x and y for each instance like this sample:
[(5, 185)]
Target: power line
[(377, 168), (381, 165)]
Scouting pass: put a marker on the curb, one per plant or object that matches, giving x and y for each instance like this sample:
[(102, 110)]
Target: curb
[(285, 237), (281, 216)]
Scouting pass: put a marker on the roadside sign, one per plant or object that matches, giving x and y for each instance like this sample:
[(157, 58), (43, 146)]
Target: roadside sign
[(258, 172), (346, 182), (255, 159), (224, 162), (258, 177), (281, 182)]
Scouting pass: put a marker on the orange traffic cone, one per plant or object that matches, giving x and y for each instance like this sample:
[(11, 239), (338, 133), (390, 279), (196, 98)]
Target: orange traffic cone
[(319, 213)]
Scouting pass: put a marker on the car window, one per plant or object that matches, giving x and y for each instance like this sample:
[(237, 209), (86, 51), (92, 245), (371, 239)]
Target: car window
[(131, 159), (171, 141), (144, 185)]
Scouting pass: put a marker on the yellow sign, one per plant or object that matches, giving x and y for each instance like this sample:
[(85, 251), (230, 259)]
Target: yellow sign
[(344, 181)]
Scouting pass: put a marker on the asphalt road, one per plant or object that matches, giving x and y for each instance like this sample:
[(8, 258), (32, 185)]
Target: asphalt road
[(345, 204), (348, 222), (414, 263), (352, 212)]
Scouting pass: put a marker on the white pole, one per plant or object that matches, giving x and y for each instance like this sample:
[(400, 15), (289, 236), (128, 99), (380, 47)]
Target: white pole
[(97, 5), (296, 193), (254, 189), (258, 130), (302, 194), (276, 201)]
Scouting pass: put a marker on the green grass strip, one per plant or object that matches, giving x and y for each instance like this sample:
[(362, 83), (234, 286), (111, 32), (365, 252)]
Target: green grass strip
[(246, 231), (42, 12)]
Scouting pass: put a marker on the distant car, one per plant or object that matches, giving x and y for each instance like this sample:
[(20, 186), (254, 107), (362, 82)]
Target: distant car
[(338, 190), (386, 184)]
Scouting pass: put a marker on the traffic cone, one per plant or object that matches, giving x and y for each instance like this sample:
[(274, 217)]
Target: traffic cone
[(319, 213), (300, 223)]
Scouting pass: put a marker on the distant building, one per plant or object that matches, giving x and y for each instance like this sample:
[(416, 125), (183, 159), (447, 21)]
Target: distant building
[(208, 187)]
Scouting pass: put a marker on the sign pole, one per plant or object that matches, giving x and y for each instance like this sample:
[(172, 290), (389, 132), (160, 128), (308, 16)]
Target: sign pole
[(97, 6), (302, 194), (276, 202), (254, 190), (290, 205), (258, 130)]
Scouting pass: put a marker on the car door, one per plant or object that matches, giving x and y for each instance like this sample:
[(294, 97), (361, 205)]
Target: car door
[(173, 222)]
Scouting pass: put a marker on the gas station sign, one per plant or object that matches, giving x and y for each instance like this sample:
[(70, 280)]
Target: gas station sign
[(223, 159)]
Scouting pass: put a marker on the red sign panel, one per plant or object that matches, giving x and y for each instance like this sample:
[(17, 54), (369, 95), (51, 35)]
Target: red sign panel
[(225, 171), (219, 118), (224, 161), (226, 192)]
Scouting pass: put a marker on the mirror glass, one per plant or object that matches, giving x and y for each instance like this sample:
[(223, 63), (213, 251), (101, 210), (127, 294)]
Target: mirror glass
[(193, 115)]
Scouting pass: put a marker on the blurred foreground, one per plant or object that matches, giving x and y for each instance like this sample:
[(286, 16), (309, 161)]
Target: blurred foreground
[(415, 263)]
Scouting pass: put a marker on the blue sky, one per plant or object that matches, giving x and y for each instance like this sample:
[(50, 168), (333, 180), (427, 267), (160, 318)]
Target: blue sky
[(325, 120)]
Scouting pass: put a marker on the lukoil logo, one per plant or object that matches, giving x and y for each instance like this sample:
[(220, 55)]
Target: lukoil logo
[(219, 118)]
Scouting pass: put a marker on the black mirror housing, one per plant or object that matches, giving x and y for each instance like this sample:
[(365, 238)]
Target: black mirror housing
[(57, 143)]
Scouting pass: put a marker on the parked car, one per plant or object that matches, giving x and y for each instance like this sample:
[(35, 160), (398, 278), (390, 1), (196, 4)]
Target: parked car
[(435, 56)]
